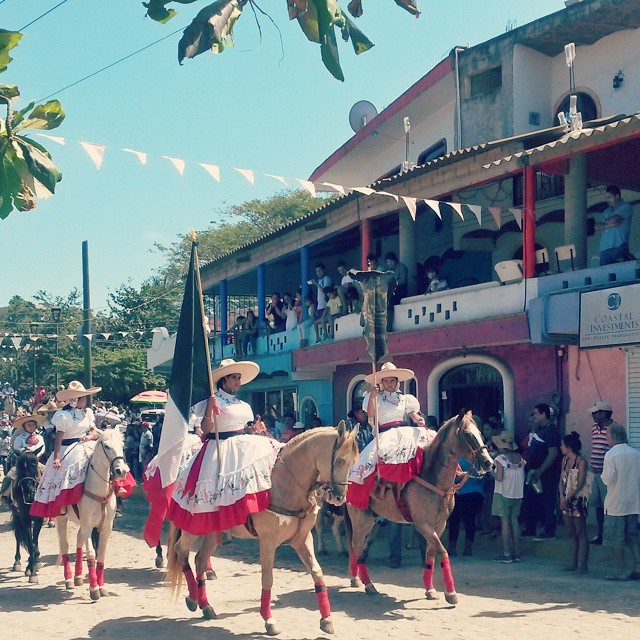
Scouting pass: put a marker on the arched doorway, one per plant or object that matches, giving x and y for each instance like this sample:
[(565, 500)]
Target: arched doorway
[(308, 411), (476, 386)]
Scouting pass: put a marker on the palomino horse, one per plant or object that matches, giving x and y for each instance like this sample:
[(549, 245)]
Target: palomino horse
[(317, 460), (429, 500), (19, 497), (96, 509)]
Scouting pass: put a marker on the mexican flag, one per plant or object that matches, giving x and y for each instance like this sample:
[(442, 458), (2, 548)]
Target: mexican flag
[(188, 385)]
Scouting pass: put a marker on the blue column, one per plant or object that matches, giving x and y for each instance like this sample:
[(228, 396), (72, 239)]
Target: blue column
[(304, 277), (261, 295), (224, 311)]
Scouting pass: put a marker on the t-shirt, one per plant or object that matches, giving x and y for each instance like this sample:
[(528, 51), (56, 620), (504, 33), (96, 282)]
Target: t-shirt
[(335, 306), (292, 318), (599, 446), (512, 483), (539, 444), (613, 237), (321, 283), (347, 281), (472, 485)]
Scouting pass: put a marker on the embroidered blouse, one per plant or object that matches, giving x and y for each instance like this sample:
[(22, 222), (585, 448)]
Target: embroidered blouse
[(393, 407), (74, 423), (233, 413)]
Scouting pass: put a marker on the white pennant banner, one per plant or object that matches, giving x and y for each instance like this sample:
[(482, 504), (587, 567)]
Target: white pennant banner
[(336, 187), (367, 191), (123, 333), (457, 207), (88, 336), (278, 178), (57, 139), (212, 169), (141, 155), (71, 336), (95, 152), (435, 206), (517, 214), (247, 173), (495, 212), (308, 186), (177, 163), (106, 336), (476, 209), (16, 342), (412, 205)]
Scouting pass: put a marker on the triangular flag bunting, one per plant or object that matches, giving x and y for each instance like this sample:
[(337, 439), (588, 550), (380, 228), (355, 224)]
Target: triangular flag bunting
[(247, 173), (16, 342), (212, 169), (367, 191), (88, 336), (517, 214), (278, 178), (34, 338), (309, 186), (386, 193), (124, 334), (495, 212), (435, 205), (57, 139), (70, 336), (336, 187), (177, 163), (106, 336), (457, 207), (476, 209), (95, 152), (141, 155), (411, 205), (140, 333)]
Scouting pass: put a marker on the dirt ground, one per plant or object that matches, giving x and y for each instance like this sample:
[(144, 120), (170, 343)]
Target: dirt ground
[(533, 598)]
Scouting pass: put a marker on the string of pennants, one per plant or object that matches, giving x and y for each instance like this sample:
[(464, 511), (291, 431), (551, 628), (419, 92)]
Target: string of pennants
[(96, 153), (23, 341)]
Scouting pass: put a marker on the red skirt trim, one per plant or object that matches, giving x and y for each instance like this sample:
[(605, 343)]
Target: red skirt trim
[(159, 499), (358, 494), (234, 515), (63, 499)]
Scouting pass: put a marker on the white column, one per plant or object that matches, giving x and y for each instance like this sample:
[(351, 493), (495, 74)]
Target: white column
[(407, 247), (575, 209)]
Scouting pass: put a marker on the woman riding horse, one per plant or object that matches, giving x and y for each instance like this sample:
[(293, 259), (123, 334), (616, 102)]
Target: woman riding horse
[(216, 493)]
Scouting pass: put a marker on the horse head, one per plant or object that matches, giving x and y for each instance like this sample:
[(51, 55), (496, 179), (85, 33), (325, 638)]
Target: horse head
[(469, 442), (27, 476), (333, 469), (111, 446)]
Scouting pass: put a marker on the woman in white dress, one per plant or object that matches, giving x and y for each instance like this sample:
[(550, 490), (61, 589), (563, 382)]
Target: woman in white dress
[(63, 476), (401, 447), (215, 494)]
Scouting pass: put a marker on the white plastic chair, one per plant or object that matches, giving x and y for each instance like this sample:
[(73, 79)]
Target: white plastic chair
[(509, 271)]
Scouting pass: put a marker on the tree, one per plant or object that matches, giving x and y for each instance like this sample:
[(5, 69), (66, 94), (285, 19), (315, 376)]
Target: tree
[(212, 28), (27, 171)]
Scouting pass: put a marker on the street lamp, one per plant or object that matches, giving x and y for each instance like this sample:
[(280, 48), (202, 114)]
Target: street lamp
[(55, 316)]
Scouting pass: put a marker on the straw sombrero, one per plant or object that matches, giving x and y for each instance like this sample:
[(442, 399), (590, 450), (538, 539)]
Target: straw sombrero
[(248, 370), (37, 418), (75, 390), (505, 441), (50, 407), (389, 370)]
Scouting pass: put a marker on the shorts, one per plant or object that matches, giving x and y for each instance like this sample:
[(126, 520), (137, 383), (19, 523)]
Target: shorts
[(319, 313), (620, 530), (598, 492), (505, 507)]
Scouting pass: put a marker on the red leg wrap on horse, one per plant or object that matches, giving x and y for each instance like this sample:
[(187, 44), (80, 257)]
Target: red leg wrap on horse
[(78, 561), (93, 577), (353, 565), (209, 565), (100, 573), (363, 573), (447, 576), (265, 604), (427, 576), (202, 592), (323, 600), (66, 566), (191, 581)]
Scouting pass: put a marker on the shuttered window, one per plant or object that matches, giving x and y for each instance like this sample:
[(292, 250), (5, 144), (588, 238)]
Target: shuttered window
[(633, 395)]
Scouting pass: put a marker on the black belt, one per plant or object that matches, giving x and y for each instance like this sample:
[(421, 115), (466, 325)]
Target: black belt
[(225, 435), (68, 441)]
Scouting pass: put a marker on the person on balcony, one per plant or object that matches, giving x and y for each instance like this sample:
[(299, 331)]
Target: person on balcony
[(250, 332), (320, 282), (401, 273), (335, 309), (290, 312), (615, 224), (436, 281), (237, 330), (372, 262), (275, 313), (310, 305)]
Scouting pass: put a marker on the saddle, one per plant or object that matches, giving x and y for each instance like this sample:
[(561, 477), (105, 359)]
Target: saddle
[(382, 488)]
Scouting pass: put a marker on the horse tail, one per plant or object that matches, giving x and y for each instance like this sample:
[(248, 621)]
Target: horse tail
[(174, 567)]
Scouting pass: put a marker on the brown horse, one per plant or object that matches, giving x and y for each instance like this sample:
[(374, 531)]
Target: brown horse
[(316, 461), (429, 500)]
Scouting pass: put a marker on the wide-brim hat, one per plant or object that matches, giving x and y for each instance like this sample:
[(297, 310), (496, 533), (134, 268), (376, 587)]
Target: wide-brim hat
[(505, 441), (389, 370), (50, 407), (39, 419), (602, 405), (75, 390), (247, 370)]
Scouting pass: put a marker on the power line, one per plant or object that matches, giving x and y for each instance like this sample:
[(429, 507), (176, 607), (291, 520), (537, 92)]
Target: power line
[(46, 13), (113, 64)]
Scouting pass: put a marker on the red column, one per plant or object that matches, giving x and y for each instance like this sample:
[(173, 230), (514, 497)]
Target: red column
[(365, 241), (529, 223)]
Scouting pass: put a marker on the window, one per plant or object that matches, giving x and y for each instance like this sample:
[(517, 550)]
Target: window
[(485, 82), (356, 392), (436, 150), (276, 402)]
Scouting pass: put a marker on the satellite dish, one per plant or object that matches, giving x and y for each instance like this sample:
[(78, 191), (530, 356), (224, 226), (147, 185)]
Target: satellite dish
[(361, 113)]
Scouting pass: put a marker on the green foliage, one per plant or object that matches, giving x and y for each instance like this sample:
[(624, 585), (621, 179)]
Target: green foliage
[(212, 28)]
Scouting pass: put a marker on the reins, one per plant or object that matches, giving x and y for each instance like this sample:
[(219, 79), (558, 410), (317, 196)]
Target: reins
[(103, 500)]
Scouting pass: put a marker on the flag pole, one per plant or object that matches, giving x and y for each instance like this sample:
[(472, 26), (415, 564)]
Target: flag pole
[(206, 340)]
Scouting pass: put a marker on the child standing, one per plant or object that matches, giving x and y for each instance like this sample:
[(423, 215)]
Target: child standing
[(507, 495)]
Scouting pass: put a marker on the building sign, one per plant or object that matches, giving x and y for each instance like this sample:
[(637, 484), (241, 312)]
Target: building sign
[(610, 316)]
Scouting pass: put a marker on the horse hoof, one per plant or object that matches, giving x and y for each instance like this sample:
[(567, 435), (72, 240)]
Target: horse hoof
[(211, 575), (78, 581), (431, 594), (104, 592), (451, 598), (356, 582), (33, 579), (68, 583), (159, 562), (192, 604), (370, 589), (326, 625), (94, 593), (17, 566), (208, 613), (272, 629)]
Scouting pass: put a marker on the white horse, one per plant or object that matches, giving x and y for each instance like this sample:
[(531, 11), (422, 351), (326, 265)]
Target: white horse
[(96, 509)]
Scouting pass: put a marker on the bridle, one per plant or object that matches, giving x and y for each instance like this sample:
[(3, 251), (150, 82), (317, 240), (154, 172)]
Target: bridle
[(112, 463), (472, 453)]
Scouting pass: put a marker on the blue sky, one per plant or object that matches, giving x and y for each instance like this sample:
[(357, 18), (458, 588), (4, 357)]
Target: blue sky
[(244, 108)]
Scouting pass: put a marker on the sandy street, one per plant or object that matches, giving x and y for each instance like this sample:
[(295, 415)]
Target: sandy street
[(533, 599)]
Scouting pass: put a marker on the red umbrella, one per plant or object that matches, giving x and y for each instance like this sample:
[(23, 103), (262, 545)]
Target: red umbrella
[(151, 397)]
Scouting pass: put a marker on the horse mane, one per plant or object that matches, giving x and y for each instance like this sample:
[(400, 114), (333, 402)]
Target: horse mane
[(305, 436), (27, 465), (434, 452), (109, 435)]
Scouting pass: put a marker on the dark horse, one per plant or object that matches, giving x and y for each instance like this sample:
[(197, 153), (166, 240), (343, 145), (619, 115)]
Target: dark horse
[(26, 528)]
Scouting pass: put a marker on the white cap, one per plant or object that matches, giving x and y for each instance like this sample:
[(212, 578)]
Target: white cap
[(602, 405), (298, 426)]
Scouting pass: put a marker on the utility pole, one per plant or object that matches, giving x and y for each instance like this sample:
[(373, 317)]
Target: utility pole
[(86, 315)]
